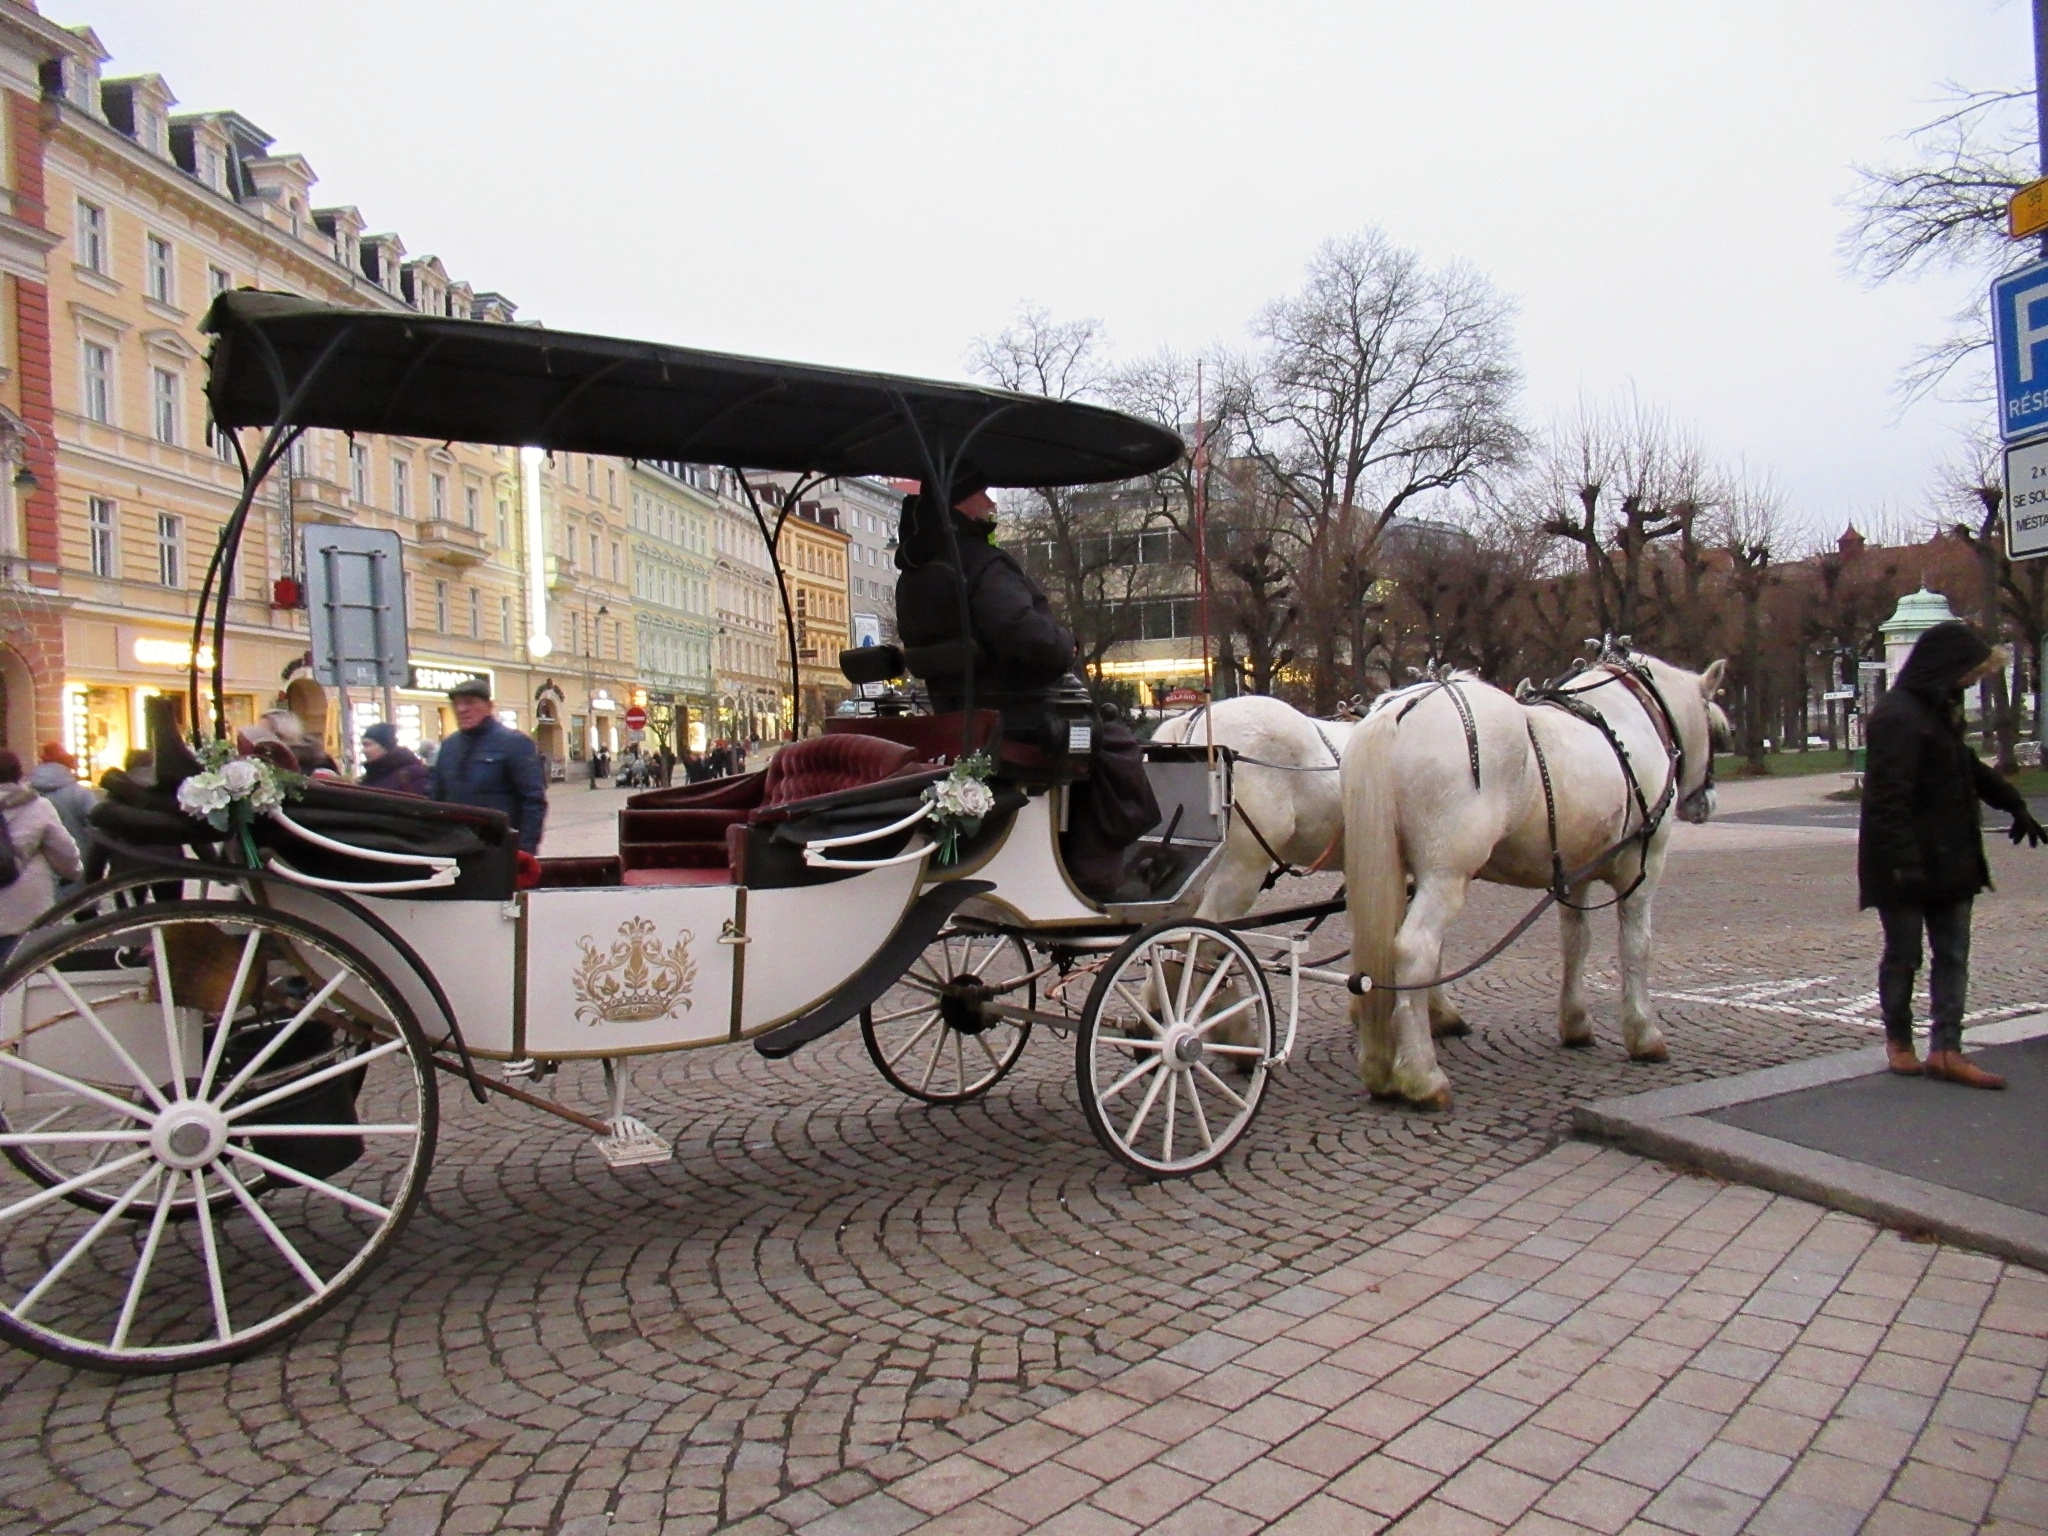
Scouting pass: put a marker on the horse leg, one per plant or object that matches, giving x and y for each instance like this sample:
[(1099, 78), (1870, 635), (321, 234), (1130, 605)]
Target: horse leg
[(1233, 889), (1574, 1028), (1639, 1031), (1445, 1021), (1418, 951)]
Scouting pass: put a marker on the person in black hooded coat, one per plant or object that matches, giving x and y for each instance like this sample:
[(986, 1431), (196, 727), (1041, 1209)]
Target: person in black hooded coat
[(1920, 849), (1029, 654)]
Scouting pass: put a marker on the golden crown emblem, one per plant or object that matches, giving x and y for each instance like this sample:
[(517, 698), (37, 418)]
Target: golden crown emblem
[(637, 978)]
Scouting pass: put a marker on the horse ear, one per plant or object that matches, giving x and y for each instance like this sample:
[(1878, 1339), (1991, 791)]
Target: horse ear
[(1712, 678)]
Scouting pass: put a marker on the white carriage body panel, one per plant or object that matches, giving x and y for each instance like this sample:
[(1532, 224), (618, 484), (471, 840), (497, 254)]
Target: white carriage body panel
[(1030, 886), (615, 969), (809, 940), (470, 947)]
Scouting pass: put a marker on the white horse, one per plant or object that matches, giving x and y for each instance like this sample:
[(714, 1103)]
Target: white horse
[(1287, 810), (1529, 794), (1284, 789)]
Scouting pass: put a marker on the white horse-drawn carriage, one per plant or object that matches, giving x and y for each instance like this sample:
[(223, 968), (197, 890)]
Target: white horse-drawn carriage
[(218, 1063)]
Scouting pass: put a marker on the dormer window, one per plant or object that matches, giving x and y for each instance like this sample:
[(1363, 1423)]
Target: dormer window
[(210, 169), (146, 129)]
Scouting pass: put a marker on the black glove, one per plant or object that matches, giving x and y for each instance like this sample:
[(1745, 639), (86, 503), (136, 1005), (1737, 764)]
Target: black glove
[(2025, 829)]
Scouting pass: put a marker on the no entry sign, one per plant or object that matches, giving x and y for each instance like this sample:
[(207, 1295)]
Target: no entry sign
[(636, 719)]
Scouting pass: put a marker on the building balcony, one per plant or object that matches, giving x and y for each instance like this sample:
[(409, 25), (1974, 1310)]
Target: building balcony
[(319, 501), (452, 543), (561, 573)]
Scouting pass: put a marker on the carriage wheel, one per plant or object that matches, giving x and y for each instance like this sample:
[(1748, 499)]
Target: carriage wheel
[(217, 1117), (1174, 1046), (930, 1034)]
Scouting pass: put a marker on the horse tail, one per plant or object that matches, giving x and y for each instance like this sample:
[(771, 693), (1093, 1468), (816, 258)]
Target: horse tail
[(1374, 880)]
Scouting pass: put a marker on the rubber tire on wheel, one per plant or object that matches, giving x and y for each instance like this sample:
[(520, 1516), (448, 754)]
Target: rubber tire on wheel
[(912, 1011), (312, 1024), (1154, 1021)]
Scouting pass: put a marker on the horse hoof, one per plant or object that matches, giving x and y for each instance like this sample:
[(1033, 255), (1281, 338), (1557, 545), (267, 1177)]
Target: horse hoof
[(1383, 1095), (1575, 1042), (1449, 1029), (1441, 1099), (1655, 1052)]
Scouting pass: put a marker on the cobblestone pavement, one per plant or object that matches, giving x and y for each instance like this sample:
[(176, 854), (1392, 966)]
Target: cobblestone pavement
[(833, 1288)]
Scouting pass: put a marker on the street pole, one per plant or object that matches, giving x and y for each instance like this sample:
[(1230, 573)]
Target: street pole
[(2041, 93)]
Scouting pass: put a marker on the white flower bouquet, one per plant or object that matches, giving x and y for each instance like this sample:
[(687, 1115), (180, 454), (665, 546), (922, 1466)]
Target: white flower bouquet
[(233, 790), (957, 804)]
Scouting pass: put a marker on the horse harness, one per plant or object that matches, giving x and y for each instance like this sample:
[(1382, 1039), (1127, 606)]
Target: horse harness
[(1636, 678), (1280, 867)]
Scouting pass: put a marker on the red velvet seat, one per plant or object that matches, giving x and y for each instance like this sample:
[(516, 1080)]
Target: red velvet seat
[(934, 738), (694, 835)]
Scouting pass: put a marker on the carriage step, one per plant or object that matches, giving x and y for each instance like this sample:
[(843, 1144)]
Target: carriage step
[(631, 1145)]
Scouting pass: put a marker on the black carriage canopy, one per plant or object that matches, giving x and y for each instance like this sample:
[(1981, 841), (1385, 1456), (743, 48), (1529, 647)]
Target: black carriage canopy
[(280, 359)]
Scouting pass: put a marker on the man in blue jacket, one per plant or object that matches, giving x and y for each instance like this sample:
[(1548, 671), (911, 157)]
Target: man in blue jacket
[(488, 764)]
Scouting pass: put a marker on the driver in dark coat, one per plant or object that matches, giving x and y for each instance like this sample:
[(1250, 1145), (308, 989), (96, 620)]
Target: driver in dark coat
[(1920, 850), (1027, 655)]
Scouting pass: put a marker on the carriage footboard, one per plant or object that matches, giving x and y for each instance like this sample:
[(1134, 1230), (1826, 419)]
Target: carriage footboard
[(920, 925)]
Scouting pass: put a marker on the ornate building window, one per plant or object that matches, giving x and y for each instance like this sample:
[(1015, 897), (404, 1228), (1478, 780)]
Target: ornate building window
[(96, 382), (92, 236), (160, 267), (170, 549), (101, 535)]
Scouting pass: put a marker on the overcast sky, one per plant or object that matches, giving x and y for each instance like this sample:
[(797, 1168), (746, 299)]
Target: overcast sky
[(1657, 184)]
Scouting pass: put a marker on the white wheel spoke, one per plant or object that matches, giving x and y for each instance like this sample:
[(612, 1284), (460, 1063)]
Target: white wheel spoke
[(224, 1329), (1215, 981), (277, 1238), (1201, 1116), (1145, 1108), (910, 1045), (79, 1181), (228, 1012), (1233, 1050), (1221, 1087), (68, 1138), (320, 1186), (993, 1059), (924, 1083), (395, 1128), (921, 984), (1172, 1104), (277, 1041), (79, 1249), (313, 1079), (1127, 1079), (1140, 1009), (82, 1090), (1156, 985), (959, 1061), (901, 1014), (143, 1261), (167, 1004), (1187, 976), (1227, 1014), (91, 1016)]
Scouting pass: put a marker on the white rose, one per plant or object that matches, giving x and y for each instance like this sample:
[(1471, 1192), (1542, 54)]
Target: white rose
[(974, 798), (241, 776), (203, 794)]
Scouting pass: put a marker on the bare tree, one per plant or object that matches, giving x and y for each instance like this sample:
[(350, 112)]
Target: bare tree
[(1379, 382), (1751, 529), (1974, 486), (1944, 208), (1082, 543)]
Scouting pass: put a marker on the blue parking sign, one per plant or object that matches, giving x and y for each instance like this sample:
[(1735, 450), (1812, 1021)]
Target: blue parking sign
[(2019, 332)]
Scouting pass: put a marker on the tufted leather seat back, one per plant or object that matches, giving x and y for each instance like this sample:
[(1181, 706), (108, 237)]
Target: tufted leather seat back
[(824, 765)]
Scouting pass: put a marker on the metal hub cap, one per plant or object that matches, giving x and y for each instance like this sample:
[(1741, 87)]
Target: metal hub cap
[(189, 1135), (1184, 1048)]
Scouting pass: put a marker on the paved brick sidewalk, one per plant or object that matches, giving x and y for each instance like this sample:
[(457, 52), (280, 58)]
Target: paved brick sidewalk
[(1589, 1343)]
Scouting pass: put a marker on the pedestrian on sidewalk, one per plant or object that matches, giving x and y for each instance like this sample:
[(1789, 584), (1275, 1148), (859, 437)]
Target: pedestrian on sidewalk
[(388, 765), (1920, 848), (488, 764)]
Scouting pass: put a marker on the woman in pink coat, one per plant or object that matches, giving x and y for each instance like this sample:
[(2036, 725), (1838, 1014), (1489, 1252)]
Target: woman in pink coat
[(43, 854)]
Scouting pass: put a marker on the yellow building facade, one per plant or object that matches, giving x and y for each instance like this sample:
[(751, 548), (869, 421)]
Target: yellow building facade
[(514, 570)]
